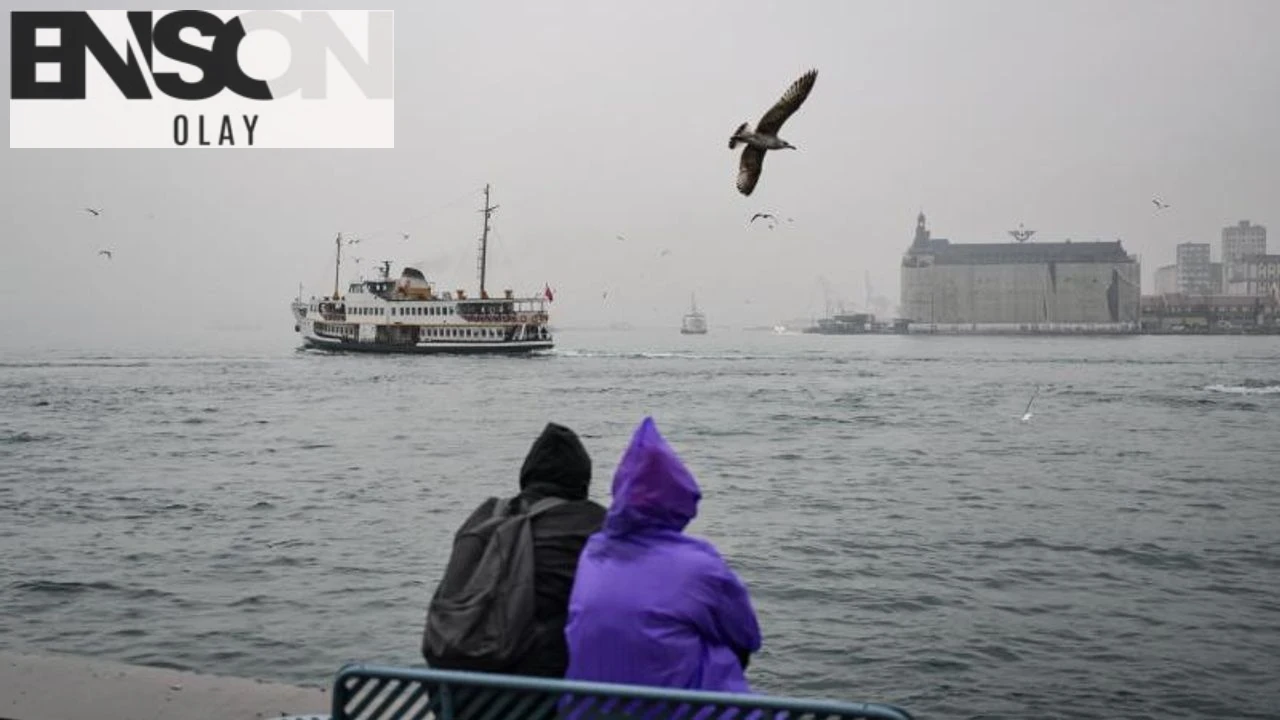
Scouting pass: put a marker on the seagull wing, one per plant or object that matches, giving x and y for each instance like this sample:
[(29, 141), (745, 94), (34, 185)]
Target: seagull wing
[(1032, 400), (749, 169), (790, 101)]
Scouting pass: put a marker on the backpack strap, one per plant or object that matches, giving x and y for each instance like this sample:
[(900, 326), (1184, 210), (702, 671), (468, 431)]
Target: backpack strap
[(543, 505)]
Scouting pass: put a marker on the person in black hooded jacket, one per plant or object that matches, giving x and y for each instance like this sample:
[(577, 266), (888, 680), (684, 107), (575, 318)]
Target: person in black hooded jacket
[(557, 466)]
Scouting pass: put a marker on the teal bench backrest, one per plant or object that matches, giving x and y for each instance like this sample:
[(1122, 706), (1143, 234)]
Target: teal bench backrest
[(377, 692)]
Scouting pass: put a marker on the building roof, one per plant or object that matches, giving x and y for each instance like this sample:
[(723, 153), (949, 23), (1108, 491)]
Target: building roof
[(1008, 253)]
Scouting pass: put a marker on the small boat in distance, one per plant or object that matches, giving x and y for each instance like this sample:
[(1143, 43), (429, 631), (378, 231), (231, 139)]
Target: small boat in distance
[(694, 322), (410, 314)]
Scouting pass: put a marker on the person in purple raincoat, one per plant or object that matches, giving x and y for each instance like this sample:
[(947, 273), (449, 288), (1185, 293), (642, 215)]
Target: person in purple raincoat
[(651, 605)]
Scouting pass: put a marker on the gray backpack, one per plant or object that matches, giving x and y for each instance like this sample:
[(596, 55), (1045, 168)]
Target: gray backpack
[(481, 615)]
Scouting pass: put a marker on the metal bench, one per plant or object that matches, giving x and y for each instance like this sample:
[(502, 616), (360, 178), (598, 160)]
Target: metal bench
[(377, 692)]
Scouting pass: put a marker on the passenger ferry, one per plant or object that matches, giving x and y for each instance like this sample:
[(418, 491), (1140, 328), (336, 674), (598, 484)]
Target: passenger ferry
[(694, 322), (410, 315)]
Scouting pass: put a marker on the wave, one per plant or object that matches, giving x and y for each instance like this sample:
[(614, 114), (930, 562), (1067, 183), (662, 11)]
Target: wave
[(76, 364), (24, 437), (59, 587), (640, 355), (1250, 387)]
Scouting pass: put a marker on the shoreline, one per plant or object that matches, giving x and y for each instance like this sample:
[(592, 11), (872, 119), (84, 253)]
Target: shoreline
[(54, 686)]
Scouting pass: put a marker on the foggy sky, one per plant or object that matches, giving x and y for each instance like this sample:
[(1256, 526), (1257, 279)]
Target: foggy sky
[(595, 119)]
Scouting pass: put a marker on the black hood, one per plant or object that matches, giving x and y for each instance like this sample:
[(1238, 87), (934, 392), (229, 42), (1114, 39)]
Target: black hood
[(557, 465)]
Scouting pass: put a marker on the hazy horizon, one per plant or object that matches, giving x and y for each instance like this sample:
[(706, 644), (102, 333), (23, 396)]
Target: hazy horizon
[(595, 120)]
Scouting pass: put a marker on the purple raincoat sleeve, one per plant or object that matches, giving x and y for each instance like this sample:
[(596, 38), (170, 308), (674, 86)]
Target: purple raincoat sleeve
[(730, 619)]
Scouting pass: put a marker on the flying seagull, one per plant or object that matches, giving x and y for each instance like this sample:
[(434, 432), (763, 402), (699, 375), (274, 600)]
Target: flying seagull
[(105, 252), (757, 216), (93, 211), (765, 135), (1026, 414), (353, 241), (1159, 205)]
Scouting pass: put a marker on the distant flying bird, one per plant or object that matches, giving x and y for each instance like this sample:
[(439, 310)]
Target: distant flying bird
[(93, 211), (757, 216), (105, 252), (765, 135), (1159, 205), (665, 252), (620, 237), (604, 295), (353, 241), (1026, 414), (404, 236)]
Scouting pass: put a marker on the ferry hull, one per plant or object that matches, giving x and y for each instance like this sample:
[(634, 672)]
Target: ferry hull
[(504, 348)]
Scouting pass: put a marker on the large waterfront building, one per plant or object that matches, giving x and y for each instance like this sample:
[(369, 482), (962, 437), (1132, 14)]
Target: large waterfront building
[(1240, 243), (1195, 272), (1019, 286)]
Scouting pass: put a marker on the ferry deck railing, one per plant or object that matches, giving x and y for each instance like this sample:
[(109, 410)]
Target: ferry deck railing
[(378, 692)]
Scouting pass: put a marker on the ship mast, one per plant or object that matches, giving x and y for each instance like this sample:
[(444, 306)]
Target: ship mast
[(484, 238), (337, 264)]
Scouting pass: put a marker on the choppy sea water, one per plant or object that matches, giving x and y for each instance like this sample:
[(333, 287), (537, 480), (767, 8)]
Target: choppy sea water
[(905, 536)]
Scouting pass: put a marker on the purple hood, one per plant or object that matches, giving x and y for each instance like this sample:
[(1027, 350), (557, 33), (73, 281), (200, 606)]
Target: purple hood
[(652, 489)]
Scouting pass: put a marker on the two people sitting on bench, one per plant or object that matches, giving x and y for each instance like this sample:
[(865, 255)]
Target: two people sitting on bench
[(643, 603)]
